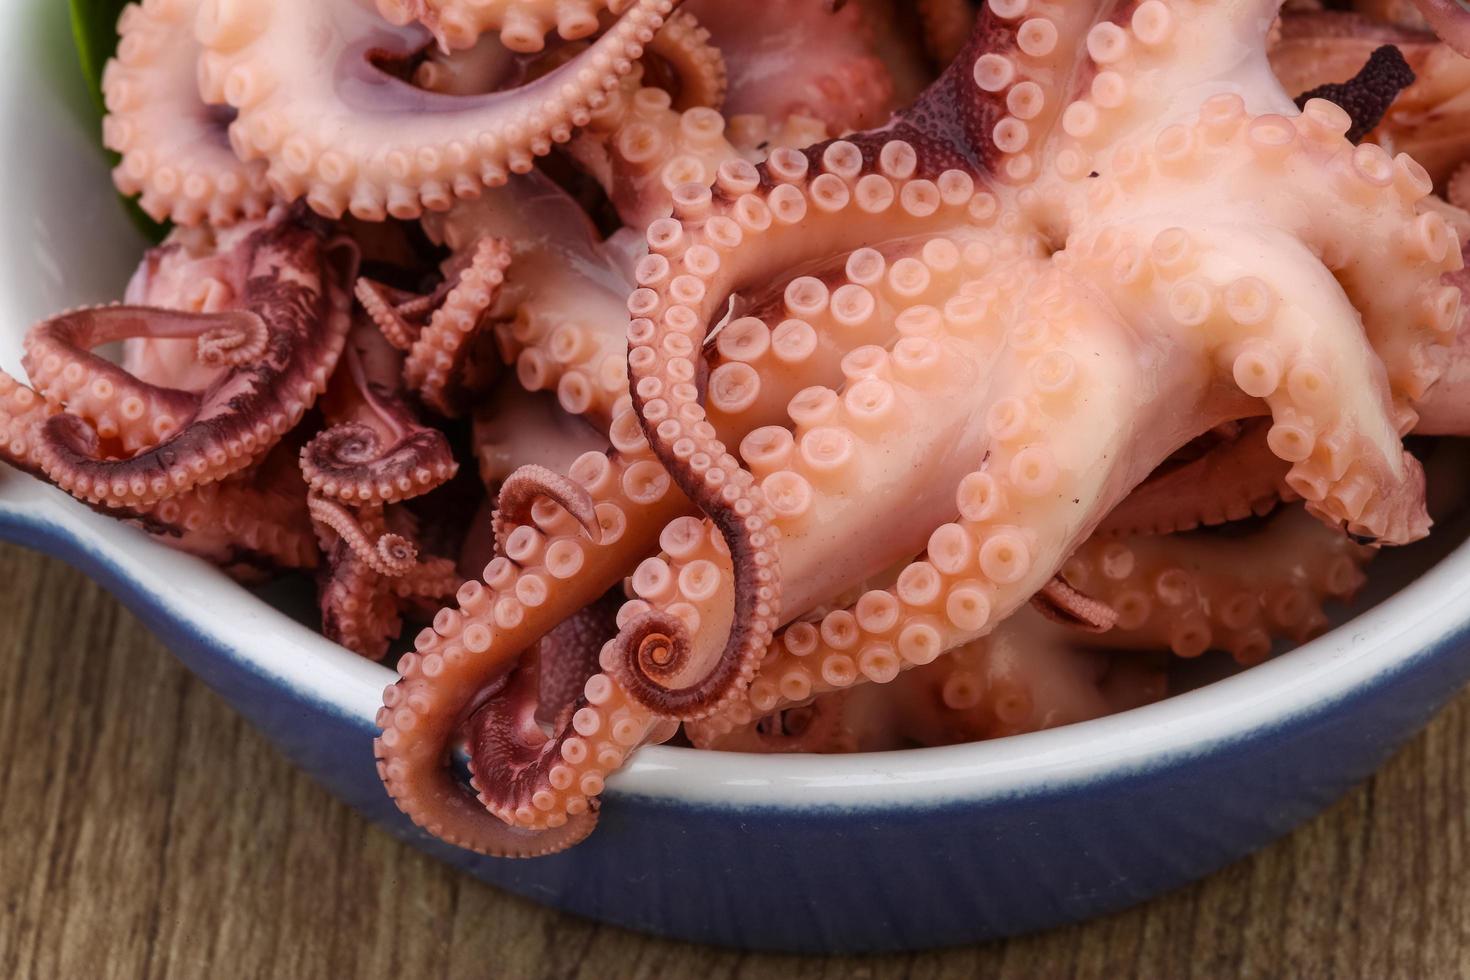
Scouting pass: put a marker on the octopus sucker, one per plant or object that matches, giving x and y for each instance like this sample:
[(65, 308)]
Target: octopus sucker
[(520, 25), (22, 412), (135, 444), (176, 157), (295, 72)]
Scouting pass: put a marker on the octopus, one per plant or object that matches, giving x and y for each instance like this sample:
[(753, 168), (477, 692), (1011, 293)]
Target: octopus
[(1017, 345), (814, 377)]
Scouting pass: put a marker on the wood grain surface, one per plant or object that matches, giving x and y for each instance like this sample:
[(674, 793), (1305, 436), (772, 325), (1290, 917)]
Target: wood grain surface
[(145, 831)]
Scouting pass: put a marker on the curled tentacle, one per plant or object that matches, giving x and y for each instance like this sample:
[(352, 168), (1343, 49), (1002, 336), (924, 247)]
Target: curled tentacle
[(531, 483), (378, 452), (390, 310), (697, 67), (387, 554), (314, 104), (1059, 602), (176, 156), (106, 454), (371, 575), (549, 574)]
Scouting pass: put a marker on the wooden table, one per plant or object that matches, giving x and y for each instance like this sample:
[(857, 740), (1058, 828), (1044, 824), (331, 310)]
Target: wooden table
[(146, 831)]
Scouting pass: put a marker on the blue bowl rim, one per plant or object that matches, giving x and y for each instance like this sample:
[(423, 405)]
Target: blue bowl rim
[(1408, 627)]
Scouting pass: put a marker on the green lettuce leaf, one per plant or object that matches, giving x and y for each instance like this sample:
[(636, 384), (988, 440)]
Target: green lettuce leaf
[(94, 27)]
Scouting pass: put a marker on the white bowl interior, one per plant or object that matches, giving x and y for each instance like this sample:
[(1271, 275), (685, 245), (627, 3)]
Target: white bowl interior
[(68, 242)]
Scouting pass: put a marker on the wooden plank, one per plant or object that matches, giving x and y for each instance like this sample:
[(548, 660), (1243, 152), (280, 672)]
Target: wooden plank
[(146, 832)]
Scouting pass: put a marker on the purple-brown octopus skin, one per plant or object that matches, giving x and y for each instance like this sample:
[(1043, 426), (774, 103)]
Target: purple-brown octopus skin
[(1104, 231), (277, 315), (374, 455)]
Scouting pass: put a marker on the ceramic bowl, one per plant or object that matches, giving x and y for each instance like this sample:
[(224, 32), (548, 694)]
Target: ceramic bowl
[(887, 851)]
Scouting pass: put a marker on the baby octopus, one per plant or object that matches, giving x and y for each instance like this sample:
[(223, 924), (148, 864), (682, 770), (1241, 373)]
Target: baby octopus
[(799, 376)]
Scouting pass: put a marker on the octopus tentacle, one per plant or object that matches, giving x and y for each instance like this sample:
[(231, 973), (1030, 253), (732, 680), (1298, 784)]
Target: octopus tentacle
[(388, 554), (1201, 591), (175, 153), (1061, 603), (390, 310), (58, 357), (510, 752), (294, 286), (22, 411), (375, 451), (1228, 483), (683, 45), (550, 571), (435, 366), (520, 25), (1429, 120), (559, 316), (1450, 19), (371, 574), (640, 149), (1084, 226), (250, 524), (373, 455), (520, 491), (795, 57), (296, 72)]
